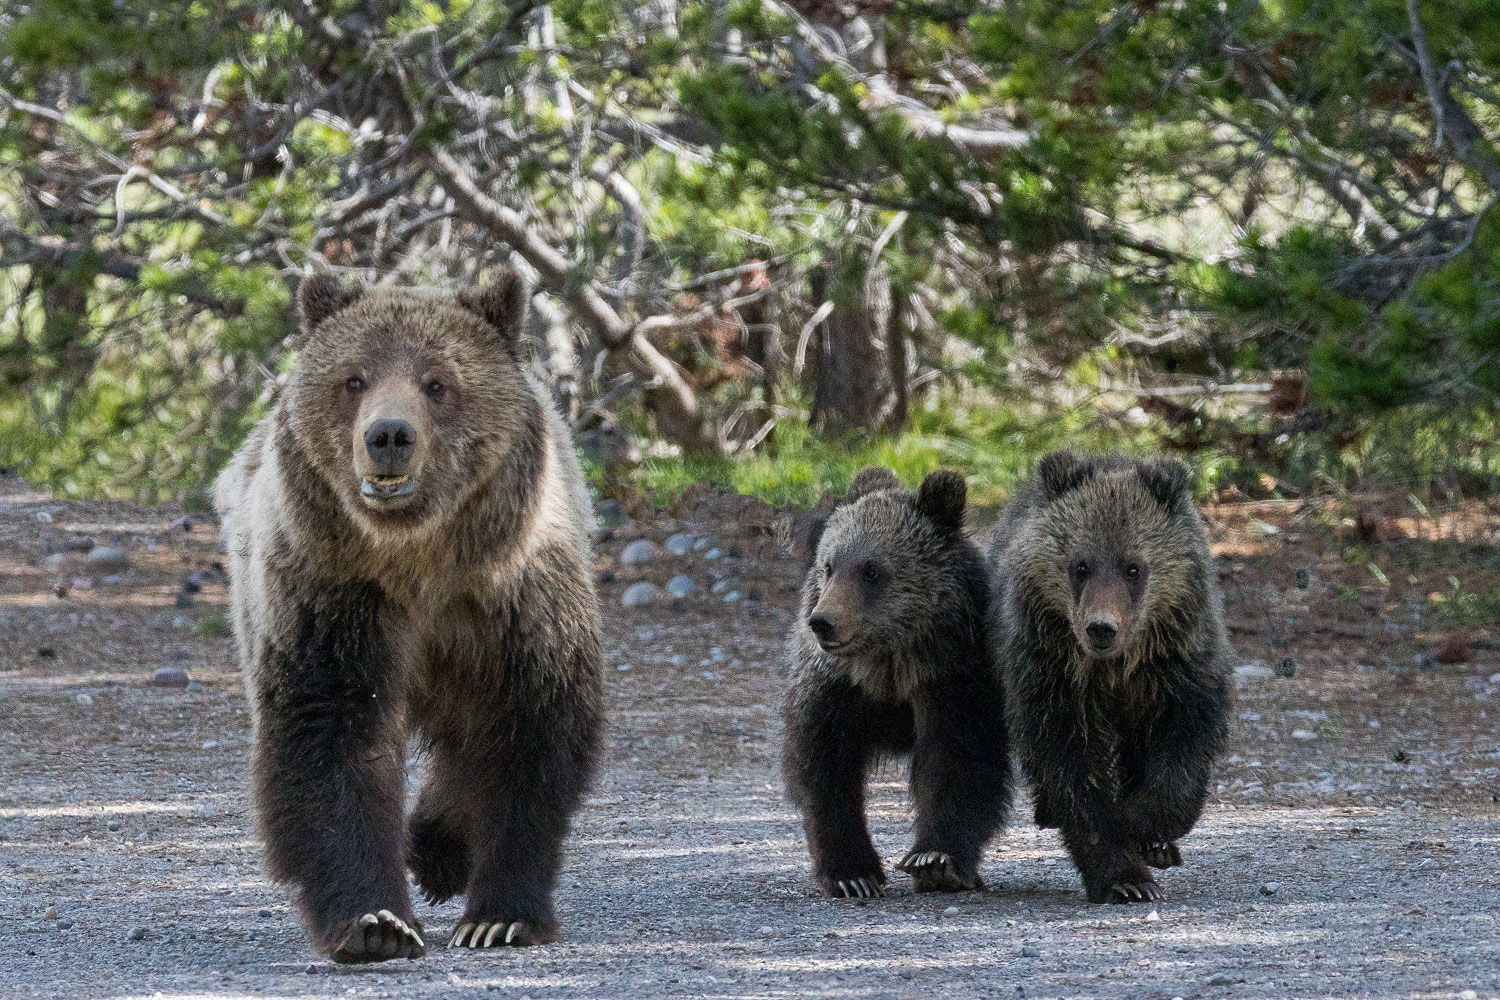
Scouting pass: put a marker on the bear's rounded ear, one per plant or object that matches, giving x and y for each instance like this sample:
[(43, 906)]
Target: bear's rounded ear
[(1166, 480), (321, 295), (500, 302), (941, 498), (870, 481), (1063, 471)]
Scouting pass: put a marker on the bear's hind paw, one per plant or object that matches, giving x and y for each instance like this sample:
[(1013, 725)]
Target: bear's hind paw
[(1162, 855), (934, 871), (499, 934), (1136, 890), (377, 937), (867, 887)]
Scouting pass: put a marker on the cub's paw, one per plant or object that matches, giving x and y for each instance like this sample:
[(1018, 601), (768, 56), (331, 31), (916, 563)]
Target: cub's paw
[(481, 933), (855, 887), (1162, 855), (934, 871), (1140, 889), (377, 937)]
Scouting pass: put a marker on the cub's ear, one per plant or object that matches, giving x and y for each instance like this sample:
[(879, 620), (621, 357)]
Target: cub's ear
[(321, 295), (941, 498), (1063, 471), (871, 481), (1166, 480), (500, 302), (799, 535)]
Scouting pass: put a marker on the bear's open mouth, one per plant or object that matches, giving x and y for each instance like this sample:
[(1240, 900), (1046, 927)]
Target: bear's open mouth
[(387, 487)]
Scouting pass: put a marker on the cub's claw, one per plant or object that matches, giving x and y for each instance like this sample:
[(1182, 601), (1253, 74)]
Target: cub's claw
[(934, 871), (376, 937), (497, 933), (1137, 891), (1163, 854)]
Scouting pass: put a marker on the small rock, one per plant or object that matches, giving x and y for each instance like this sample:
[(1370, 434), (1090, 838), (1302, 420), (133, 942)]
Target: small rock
[(638, 551), (64, 925), (625, 667), (169, 677), (263, 913), (1027, 951), (680, 544), (767, 931), (51, 913), (1255, 670), (312, 969), (1153, 917), (951, 911), (78, 543), (108, 558), (723, 584), (1270, 888), (1468, 995), (210, 744), (680, 586), (1286, 666), (46, 653), (84, 698), (731, 597), (638, 595), (703, 542), (1219, 979), (138, 933), (1304, 734), (112, 825), (1425, 864), (42, 516), (713, 554), (194, 687)]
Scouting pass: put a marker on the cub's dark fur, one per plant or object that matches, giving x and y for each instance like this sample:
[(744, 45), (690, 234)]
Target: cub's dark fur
[(1112, 638), (892, 655), (408, 540)]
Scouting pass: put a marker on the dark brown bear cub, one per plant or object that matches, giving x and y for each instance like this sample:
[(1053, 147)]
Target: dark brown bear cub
[(1112, 638), (408, 543), (891, 655)]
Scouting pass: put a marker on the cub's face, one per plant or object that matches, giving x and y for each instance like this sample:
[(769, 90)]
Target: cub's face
[(882, 573), (405, 400)]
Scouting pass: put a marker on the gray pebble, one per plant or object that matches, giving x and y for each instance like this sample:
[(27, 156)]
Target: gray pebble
[(1219, 979), (84, 699), (680, 586), (767, 931), (169, 677), (1270, 888), (42, 516), (64, 924), (703, 542), (108, 557), (731, 597), (1027, 951), (263, 913), (680, 544), (951, 911), (194, 687), (78, 543), (638, 594), (137, 934), (637, 552), (713, 554), (113, 824)]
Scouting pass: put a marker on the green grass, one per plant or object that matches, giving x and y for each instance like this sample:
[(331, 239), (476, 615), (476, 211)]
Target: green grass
[(1468, 608), (214, 626)]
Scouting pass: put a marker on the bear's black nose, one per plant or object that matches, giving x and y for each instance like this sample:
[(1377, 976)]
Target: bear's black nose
[(821, 625), (1102, 634), (391, 443)]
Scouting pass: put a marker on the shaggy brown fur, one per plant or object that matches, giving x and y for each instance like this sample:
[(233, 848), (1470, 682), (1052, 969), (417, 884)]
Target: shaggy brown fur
[(1112, 638), (408, 537), (892, 656)]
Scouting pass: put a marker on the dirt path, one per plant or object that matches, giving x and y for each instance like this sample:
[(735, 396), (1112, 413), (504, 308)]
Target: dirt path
[(687, 875)]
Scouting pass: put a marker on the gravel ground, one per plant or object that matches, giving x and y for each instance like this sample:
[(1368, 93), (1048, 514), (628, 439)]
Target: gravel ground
[(1350, 850)]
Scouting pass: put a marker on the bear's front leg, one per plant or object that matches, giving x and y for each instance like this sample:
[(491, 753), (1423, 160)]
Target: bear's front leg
[(960, 780), (328, 769), (518, 767), (826, 758)]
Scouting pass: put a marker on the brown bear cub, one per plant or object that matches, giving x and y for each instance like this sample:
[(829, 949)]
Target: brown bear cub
[(1111, 634), (408, 537), (892, 656)]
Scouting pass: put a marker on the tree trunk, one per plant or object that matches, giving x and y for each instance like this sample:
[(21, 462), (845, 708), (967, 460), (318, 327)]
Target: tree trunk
[(853, 381)]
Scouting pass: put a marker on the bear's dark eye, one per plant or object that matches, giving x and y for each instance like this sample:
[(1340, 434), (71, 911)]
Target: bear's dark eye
[(1132, 571), (435, 388), (1081, 570), (354, 384), (871, 573)]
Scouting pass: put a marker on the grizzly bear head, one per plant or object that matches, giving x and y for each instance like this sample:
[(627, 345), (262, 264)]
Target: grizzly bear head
[(406, 400), (1118, 552), (883, 575)]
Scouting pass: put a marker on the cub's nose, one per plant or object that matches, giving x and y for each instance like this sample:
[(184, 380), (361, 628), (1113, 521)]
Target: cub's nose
[(1102, 634), (822, 626), (391, 444)]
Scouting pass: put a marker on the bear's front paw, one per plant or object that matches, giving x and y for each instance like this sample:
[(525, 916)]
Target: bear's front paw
[(377, 937), (1142, 889), (478, 932), (934, 871), (854, 886), (1162, 855)]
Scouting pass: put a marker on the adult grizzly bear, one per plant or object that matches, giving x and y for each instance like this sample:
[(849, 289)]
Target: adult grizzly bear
[(892, 655), (408, 542), (1112, 639)]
